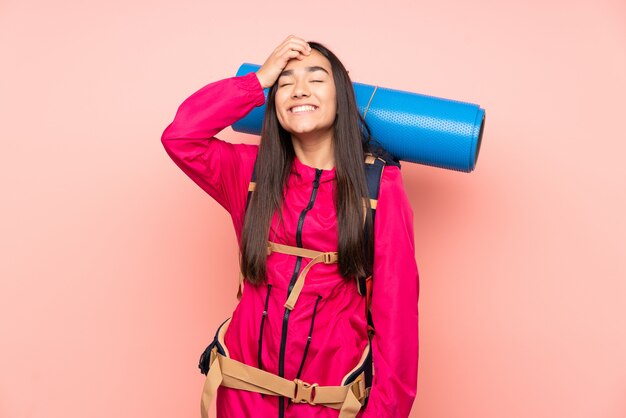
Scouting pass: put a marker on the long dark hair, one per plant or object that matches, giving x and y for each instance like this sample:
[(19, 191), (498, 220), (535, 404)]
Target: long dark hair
[(274, 161)]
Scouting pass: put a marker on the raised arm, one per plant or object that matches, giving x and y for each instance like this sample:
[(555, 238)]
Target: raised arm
[(395, 294), (220, 168)]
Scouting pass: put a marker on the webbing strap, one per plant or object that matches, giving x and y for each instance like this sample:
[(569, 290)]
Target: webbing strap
[(288, 249), (231, 373), (315, 256)]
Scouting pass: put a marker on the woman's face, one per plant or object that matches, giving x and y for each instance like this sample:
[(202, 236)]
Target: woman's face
[(305, 96)]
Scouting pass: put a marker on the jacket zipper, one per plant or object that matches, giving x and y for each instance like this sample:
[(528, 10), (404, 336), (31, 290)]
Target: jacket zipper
[(264, 315), (296, 271), (308, 341)]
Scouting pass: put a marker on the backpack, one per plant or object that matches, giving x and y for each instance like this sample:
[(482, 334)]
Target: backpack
[(360, 379), (374, 163)]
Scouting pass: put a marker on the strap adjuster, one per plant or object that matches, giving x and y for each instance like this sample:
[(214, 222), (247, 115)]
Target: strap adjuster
[(304, 392), (328, 258), (358, 388)]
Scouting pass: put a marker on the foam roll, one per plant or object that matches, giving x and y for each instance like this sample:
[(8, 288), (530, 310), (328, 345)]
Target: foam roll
[(413, 127)]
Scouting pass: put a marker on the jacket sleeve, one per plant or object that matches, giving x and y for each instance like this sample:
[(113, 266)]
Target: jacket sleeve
[(394, 308), (220, 168)]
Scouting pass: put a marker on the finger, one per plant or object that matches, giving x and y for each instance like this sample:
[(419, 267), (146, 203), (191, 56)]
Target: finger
[(288, 54), (283, 43), (295, 38), (282, 59), (300, 49), (304, 44), (300, 45), (294, 54)]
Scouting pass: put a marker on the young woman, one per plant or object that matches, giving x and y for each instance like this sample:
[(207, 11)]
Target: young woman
[(306, 325)]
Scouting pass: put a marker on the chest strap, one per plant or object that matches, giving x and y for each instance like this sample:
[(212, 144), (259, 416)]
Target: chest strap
[(315, 256)]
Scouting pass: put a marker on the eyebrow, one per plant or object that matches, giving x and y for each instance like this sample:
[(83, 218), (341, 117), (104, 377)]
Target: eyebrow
[(309, 69)]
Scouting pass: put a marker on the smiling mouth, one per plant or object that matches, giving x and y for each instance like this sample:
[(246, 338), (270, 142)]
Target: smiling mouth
[(303, 109)]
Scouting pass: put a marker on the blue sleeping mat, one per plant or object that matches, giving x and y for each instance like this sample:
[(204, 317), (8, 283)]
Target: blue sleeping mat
[(413, 127)]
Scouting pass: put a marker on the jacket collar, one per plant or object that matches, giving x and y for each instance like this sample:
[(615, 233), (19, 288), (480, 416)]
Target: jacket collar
[(307, 173)]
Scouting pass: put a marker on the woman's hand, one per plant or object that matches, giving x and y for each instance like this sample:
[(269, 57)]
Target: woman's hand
[(292, 47)]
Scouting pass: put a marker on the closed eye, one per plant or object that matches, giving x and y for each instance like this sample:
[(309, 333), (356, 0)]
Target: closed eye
[(312, 81)]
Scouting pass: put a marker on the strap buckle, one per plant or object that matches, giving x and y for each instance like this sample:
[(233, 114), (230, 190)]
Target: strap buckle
[(358, 388), (213, 355), (304, 392), (328, 258)]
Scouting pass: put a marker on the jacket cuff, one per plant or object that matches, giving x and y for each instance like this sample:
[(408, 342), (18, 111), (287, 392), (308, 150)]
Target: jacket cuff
[(251, 83)]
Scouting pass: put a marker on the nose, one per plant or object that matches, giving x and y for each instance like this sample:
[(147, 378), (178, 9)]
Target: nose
[(300, 90)]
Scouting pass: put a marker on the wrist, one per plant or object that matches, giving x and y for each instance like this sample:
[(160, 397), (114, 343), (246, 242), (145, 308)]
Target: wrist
[(260, 80)]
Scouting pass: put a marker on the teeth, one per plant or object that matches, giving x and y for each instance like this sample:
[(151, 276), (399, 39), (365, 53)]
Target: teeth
[(302, 108)]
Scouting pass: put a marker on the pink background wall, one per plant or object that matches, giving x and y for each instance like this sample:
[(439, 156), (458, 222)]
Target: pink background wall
[(116, 268)]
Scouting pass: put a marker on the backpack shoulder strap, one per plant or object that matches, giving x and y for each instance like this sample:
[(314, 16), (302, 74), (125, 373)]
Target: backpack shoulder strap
[(373, 173), (252, 184), (375, 163), (374, 167)]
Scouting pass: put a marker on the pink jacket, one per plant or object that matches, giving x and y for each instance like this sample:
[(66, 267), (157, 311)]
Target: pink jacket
[(329, 312)]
